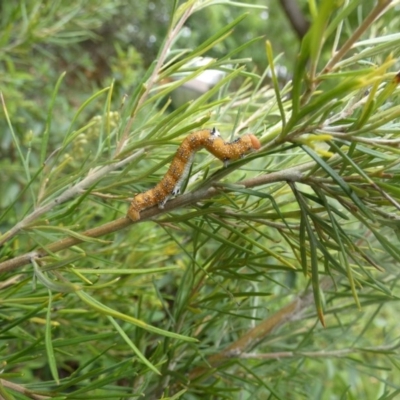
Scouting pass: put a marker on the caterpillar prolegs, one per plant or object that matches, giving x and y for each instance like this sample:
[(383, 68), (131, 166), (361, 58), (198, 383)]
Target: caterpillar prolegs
[(179, 169)]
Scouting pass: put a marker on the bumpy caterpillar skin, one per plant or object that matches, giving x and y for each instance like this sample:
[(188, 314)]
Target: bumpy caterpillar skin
[(179, 169)]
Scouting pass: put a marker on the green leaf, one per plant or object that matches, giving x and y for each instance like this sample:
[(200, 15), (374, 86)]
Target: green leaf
[(46, 133), (103, 309), (49, 343), (133, 347)]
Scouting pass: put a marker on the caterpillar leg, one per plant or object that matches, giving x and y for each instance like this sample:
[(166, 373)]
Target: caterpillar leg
[(176, 190), (162, 203), (215, 132)]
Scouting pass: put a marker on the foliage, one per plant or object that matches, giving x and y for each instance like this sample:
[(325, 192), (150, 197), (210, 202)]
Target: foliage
[(223, 294)]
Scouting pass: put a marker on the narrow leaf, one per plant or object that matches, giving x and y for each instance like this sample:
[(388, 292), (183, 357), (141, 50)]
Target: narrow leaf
[(49, 343), (132, 346)]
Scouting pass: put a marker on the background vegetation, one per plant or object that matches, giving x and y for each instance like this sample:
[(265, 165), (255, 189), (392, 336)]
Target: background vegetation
[(276, 277)]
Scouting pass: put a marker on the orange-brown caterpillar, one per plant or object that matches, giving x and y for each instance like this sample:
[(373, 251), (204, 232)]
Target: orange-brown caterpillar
[(179, 169)]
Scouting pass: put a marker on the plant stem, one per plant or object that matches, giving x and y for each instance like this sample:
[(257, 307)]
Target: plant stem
[(295, 174)]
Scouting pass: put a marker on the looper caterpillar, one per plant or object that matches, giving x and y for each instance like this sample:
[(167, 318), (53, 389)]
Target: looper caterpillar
[(179, 169)]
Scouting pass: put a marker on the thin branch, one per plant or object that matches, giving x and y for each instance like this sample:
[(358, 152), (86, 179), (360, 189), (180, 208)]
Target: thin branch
[(79, 188), (293, 311), (317, 354), (373, 140), (295, 174), (368, 21), (23, 390)]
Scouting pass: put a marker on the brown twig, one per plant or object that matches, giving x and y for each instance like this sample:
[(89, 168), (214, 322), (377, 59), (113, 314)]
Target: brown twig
[(291, 174), (292, 311), (23, 390), (371, 17)]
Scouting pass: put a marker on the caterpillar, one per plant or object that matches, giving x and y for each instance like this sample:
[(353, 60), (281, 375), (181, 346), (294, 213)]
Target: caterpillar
[(178, 171)]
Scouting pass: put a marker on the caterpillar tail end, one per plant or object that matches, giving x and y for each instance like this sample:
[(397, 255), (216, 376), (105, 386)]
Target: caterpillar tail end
[(133, 212)]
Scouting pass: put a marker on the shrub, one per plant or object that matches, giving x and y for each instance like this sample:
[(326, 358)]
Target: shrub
[(274, 272)]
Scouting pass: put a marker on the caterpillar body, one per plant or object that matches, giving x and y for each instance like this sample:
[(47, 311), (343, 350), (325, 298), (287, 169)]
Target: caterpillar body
[(179, 169)]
